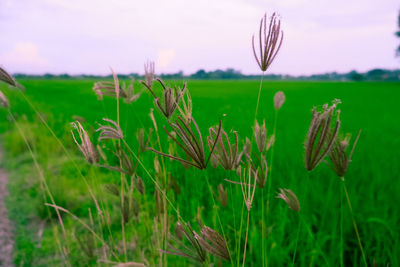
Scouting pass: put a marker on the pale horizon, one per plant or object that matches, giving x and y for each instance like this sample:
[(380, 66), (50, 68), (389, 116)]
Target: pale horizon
[(89, 37)]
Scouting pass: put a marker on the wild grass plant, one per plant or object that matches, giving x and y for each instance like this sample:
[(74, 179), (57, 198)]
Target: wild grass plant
[(143, 207)]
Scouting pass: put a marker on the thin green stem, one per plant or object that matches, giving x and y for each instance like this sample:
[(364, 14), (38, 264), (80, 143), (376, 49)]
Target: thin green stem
[(354, 222), (259, 95), (302, 199), (263, 230), (245, 241), (218, 217), (341, 227), (240, 236), (269, 182)]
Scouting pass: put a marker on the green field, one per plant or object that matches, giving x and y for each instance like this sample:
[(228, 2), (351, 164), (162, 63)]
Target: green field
[(314, 234)]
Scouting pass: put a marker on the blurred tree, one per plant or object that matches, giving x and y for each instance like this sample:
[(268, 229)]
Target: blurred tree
[(398, 35)]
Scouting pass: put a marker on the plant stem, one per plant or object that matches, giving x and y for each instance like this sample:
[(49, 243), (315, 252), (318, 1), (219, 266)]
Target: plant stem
[(269, 184), (341, 227), (219, 219), (245, 241), (259, 95), (302, 198), (354, 221)]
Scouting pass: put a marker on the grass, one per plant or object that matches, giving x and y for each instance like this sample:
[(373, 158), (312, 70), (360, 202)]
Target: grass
[(372, 180)]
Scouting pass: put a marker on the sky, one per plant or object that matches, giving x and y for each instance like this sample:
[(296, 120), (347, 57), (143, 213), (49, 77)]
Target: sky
[(90, 36)]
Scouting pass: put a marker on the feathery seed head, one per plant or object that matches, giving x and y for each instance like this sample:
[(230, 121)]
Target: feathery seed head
[(191, 144), (279, 99), (321, 135), (149, 72), (226, 154), (170, 98), (260, 134), (194, 252), (212, 242), (222, 195), (270, 41), (338, 155), (3, 100), (85, 145), (109, 132), (290, 198), (8, 79), (143, 138)]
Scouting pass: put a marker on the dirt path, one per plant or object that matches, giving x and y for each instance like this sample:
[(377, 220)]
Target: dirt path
[(6, 230)]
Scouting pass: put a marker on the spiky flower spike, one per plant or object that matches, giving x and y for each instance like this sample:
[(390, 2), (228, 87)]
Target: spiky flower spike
[(279, 99), (290, 198), (248, 181), (149, 71), (143, 138), (191, 144), (321, 135), (260, 134), (85, 145), (108, 89), (270, 41), (3, 100), (195, 252), (187, 106), (338, 154), (228, 156), (109, 132), (213, 242), (7, 78), (222, 195), (170, 100)]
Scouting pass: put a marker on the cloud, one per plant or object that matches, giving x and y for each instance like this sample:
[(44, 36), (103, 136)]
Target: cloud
[(165, 57), (24, 56)]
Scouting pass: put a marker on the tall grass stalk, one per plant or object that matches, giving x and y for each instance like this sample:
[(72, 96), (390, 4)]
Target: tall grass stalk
[(270, 167), (302, 199), (218, 217), (259, 95), (354, 221), (66, 153), (164, 222), (66, 250), (341, 227)]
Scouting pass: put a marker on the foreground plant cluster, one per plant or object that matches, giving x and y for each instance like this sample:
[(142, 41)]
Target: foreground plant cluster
[(247, 163)]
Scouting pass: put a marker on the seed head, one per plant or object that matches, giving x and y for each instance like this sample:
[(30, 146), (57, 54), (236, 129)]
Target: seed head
[(223, 195), (149, 71), (177, 247), (187, 106), (170, 99), (290, 198), (143, 138), (3, 100), (227, 155), (279, 99), (109, 89), (321, 135), (109, 132), (269, 43), (338, 155), (7, 78), (260, 134), (85, 145), (248, 181), (213, 242), (190, 143)]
